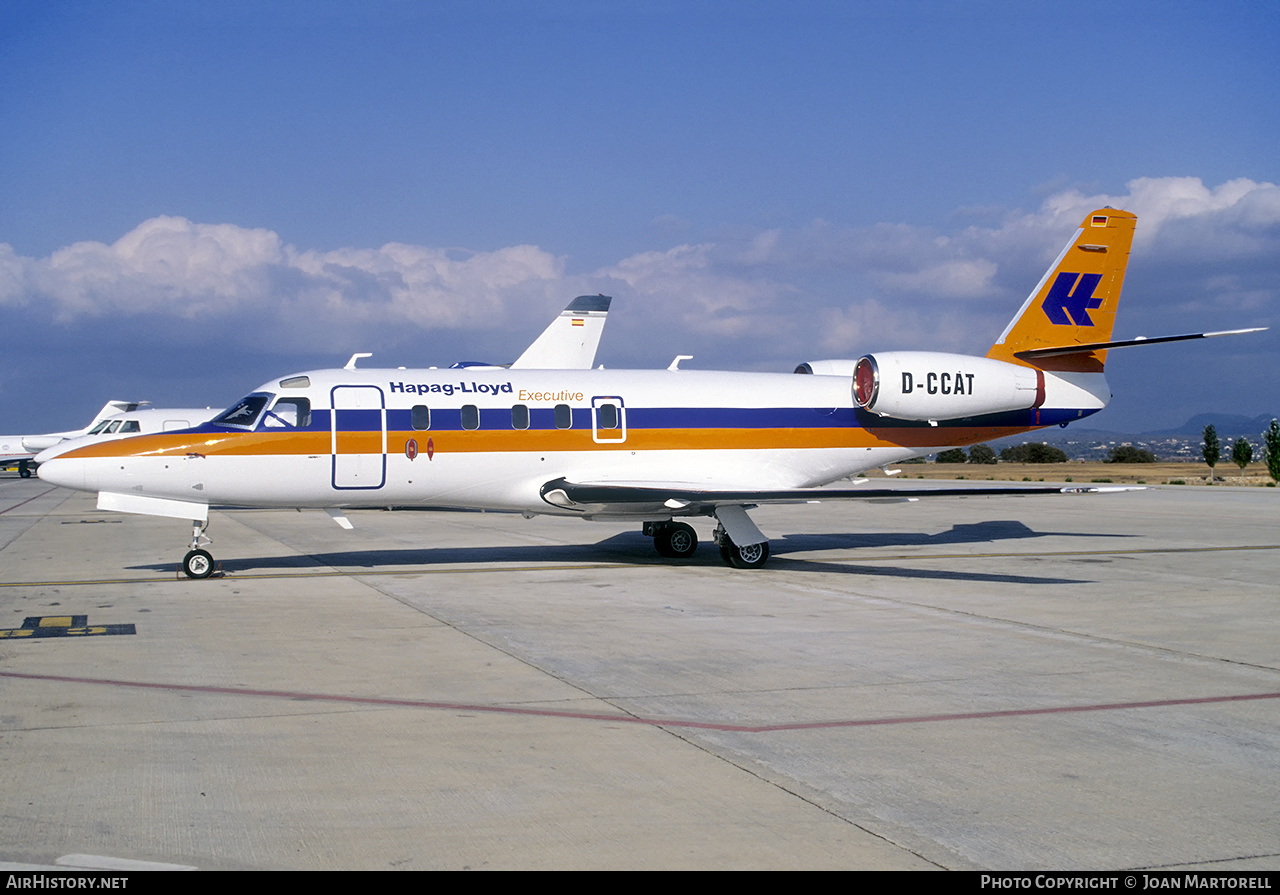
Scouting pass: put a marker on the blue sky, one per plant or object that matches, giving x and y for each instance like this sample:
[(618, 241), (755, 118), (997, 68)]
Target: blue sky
[(197, 197)]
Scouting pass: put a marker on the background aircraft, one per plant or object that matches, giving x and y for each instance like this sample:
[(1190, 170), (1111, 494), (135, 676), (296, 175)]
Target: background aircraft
[(22, 449), (649, 445)]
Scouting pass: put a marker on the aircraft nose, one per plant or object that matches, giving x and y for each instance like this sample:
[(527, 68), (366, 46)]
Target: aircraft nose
[(63, 472), (49, 453)]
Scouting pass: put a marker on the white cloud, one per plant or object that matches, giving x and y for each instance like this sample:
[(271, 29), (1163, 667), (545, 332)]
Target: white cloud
[(165, 264), (770, 295), (172, 267), (952, 279), (13, 276), (414, 284), (694, 288)]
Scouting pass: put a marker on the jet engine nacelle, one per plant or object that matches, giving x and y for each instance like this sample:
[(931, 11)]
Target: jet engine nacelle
[(929, 385), (37, 443), (838, 367)]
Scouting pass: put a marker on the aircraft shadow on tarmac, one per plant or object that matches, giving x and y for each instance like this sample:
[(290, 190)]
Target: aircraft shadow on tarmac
[(972, 533), (633, 548)]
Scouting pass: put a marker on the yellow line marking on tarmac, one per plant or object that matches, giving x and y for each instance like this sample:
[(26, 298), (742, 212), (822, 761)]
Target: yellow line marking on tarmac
[(488, 568)]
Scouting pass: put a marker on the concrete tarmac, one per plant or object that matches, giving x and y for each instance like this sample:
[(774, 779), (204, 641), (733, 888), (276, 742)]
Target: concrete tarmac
[(1076, 682)]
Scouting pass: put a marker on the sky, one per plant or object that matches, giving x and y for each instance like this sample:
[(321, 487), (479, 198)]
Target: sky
[(197, 198)]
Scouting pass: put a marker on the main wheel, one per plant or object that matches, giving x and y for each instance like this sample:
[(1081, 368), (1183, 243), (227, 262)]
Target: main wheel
[(24, 469), (753, 556), (198, 564), (677, 541)]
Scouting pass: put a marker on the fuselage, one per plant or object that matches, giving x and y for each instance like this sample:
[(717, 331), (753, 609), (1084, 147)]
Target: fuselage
[(490, 439)]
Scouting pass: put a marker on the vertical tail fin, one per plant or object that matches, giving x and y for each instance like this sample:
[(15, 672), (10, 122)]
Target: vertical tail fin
[(570, 342), (1075, 303)]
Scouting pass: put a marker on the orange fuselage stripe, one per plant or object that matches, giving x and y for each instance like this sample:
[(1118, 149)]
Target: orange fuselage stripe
[(247, 444)]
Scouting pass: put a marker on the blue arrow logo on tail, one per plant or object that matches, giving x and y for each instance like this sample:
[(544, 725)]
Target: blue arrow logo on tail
[(1067, 307)]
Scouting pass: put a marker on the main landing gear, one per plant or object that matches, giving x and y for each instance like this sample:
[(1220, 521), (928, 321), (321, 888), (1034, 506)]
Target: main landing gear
[(198, 563), (674, 540), (677, 540), (751, 556)]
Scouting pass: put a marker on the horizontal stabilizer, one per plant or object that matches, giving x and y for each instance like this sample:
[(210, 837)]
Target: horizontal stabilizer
[(1141, 340)]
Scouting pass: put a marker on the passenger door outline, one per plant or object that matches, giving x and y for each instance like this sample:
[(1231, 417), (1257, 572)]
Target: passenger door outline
[(359, 412)]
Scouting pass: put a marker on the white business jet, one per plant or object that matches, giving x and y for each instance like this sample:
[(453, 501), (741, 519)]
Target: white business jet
[(22, 449), (569, 343), (647, 445)]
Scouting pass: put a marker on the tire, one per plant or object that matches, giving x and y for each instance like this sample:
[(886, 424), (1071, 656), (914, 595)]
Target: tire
[(676, 541), (24, 469), (753, 556), (198, 564)]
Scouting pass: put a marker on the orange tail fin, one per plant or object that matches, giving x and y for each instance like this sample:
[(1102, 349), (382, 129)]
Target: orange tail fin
[(1075, 303)]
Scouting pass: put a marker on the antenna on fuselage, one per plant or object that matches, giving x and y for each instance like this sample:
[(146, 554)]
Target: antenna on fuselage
[(351, 364)]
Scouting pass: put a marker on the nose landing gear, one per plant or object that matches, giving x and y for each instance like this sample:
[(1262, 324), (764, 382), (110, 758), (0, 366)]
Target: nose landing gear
[(198, 563)]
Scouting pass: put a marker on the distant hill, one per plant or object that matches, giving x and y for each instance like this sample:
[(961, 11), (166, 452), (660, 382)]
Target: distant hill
[(1230, 423)]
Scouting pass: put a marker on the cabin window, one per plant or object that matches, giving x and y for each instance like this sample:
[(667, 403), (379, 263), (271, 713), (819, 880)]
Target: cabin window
[(470, 416), (289, 413), (130, 427), (420, 416), (608, 420), (607, 416), (564, 416), (520, 416)]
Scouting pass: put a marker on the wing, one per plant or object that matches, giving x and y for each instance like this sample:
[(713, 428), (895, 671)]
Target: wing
[(680, 499)]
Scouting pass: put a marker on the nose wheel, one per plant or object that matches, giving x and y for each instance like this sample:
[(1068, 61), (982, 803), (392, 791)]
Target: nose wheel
[(198, 563)]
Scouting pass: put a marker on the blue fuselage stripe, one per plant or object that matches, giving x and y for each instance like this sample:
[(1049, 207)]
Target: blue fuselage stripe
[(449, 419)]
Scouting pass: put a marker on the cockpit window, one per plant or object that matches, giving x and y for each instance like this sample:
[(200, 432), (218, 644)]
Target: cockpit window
[(111, 428), (244, 413), (289, 413), (98, 428), (130, 427)]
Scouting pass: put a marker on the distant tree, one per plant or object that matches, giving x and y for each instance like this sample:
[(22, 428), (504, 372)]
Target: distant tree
[(1033, 453), (955, 455), (1241, 453), (981, 453), (1127, 453), (1212, 449), (1271, 449)]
